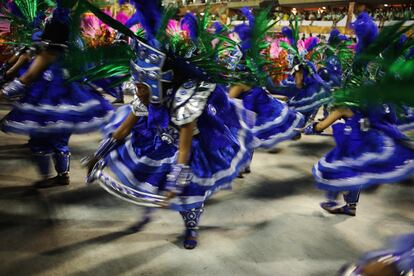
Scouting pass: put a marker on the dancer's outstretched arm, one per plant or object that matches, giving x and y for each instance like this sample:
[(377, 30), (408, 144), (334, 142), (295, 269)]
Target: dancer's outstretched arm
[(110, 143), (21, 61), (125, 128), (334, 115), (180, 173), (186, 138), (236, 90)]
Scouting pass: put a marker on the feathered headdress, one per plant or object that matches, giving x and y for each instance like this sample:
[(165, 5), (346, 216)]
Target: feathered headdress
[(300, 51), (256, 67), (365, 30), (26, 16), (181, 56), (381, 72)]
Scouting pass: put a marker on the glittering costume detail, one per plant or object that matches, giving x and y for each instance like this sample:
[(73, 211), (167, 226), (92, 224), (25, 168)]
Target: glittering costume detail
[(190, 101)]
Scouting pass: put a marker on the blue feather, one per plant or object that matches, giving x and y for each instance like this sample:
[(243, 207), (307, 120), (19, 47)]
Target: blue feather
[(189, 22), (245, 34), (148, 14), (365, 30), (312, 44), (333, 36), (218, 28), (14, 9), (286, 31), (249, 15)]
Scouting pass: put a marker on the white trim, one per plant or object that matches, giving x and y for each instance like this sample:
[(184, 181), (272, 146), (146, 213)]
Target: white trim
[(405, 127), (280, 136), (145, 159), (281, 118), (365, 178), (226, 172), (58, 125), (306, 108), (388, 151), (144, 186), (320, 92), (59, 108)]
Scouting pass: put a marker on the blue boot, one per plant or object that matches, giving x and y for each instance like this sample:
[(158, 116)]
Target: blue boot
[(42, 161), (191, 219), (347, 209), (62, 164)]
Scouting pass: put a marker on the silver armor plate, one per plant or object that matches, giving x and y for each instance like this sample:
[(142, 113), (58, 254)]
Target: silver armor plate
[(190, 101), (138, 108)]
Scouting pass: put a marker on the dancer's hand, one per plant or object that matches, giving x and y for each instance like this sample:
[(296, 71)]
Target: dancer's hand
[(310, 129), (14, 90), (89, 163), (178, 178)]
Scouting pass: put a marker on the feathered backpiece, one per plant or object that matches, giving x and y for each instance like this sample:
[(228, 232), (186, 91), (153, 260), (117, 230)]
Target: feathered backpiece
[(381, 72), (148, 15), (301, 51), (244, 33), (255, 66), (365, 30), (189, 60), (339, 48), (189, 24), (25, 17)]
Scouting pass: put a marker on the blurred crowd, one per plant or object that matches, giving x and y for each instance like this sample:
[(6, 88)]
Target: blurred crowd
[(336, 14)]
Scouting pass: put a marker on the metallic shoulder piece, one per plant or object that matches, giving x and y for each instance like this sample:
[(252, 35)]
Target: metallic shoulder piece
[(138, 108), (190, 101), (129, 87), (147, 69)]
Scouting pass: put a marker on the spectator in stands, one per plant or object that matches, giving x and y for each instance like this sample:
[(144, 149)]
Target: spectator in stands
[(311, 16)]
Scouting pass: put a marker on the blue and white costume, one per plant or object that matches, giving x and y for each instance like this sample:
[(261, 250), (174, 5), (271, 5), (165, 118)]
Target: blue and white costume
[(275, 120), (368, 151), (50, 109), (406, 120), (399, 254), (310, 98), (221, 143), (51, 105), (220, 147)]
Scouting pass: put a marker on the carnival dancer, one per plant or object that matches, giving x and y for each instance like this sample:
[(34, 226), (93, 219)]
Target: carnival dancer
[(370, 150), (181, 157), (48, 108), (306, 91), (405, 119), (275, 121), (30, 22), (396, 258)]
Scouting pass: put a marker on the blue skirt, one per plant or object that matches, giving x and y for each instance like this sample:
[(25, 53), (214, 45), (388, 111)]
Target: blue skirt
[(53, 106), (309, 100), (144, 159), (359, 161), (275, 121), (219, 151)]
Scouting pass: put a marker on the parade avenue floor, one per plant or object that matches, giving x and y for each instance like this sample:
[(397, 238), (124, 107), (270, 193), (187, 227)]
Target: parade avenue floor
[(269, 224)]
